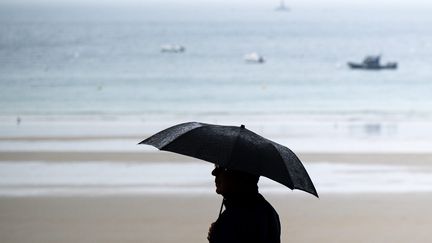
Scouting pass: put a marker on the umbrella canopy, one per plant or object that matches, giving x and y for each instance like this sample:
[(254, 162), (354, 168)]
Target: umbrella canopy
[(235, 148)]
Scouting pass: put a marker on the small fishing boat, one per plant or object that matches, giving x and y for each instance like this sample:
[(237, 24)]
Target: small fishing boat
[(372, 63)]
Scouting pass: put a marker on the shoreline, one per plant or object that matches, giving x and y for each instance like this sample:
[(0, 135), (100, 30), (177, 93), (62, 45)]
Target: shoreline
[(388, 158)]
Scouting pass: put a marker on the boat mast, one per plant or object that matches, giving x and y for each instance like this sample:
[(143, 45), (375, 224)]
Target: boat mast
[(282, 6)]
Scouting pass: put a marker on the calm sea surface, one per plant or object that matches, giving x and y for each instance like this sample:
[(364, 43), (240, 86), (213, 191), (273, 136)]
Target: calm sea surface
[(92, 61)]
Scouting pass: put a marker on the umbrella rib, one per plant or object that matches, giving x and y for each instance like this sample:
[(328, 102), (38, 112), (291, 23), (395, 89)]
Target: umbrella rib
[(233, 148), (285, 166), (311, 190)]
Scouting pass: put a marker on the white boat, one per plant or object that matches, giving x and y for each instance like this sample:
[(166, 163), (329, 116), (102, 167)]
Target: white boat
[(175, 48), (254, 58)]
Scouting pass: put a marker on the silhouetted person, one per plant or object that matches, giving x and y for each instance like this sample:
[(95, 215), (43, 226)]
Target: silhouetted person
[(248, 217)]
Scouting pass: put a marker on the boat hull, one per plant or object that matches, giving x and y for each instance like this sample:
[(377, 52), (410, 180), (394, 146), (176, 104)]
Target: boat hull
[(372, 67)]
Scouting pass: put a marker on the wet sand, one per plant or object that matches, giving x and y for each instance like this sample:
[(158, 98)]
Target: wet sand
[(179, 218), (407, 159)]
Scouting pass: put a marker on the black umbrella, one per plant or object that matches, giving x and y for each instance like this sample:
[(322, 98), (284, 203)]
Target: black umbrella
[(235, 148)]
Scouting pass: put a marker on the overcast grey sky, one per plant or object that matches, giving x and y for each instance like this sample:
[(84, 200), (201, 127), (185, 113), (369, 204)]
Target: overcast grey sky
[(237, 2)]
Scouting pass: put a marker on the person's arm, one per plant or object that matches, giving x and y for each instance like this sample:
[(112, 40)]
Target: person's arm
[(223, 230)]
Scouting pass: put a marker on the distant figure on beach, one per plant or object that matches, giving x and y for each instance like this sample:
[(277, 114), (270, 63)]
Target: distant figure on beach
[(18, 121), (248, 217)]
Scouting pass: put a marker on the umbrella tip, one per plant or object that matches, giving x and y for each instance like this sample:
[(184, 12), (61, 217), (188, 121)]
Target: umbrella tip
[(242, 126)]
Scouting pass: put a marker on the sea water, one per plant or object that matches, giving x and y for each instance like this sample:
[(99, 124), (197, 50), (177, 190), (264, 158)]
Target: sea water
[(93, 70), (107, 62)]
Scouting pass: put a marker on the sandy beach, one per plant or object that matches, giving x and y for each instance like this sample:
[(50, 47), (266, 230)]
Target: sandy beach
[(130, 211), (153, 218), (177, 218)]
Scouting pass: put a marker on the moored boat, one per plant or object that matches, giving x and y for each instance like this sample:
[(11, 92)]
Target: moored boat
[(372, 63), (254, 58)]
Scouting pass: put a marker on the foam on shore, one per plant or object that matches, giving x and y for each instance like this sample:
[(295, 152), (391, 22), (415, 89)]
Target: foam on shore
[(96, 179)]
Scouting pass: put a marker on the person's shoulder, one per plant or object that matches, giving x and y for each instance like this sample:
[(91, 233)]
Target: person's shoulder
[(264, 203), (262, 200), (268, 215)]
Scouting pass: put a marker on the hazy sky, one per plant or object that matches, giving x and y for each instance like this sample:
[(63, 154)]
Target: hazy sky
[(235, 2)]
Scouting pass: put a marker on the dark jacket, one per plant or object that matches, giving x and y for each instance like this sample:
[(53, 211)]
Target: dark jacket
[(246, 219)]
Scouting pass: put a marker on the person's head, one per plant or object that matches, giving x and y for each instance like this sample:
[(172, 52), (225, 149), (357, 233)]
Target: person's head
[(231, 182)]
